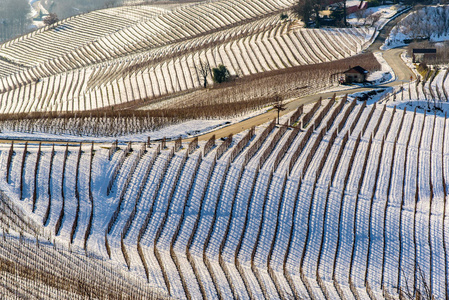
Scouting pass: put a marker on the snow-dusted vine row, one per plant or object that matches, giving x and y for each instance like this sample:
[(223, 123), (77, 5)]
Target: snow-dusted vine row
[(158, 56), (333, 210), (141, 79)]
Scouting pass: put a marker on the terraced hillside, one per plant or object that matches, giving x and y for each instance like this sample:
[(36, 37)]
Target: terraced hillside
[(153, 53), (52, 41), (33, 267), (164, 29), (432, 89), (343, 200)]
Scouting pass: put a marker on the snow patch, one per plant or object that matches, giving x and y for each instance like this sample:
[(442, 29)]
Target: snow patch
[(427, 23)]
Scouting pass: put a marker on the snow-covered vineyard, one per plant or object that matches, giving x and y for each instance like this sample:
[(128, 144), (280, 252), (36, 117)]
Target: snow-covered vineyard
[(159, 56), (52, 56), (429, 92), (69, 35), (343, 200), (33, 268)]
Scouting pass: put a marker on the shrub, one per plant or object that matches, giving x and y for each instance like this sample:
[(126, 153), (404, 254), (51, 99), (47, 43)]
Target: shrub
[(220, 74), (422, 68), (51, 19)]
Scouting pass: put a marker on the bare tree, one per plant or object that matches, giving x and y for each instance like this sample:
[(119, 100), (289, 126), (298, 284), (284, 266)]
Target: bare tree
[(279, 105), (51, 19), (14, 18), (309, 9), (110, 3), (67, 8), (373, 18), (361, 14), (203, 69)]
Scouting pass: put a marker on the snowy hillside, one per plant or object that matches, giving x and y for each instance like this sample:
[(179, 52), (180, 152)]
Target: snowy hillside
[(429, 22), (348, 204), (148, 54), (126, 81), (429, 94), (33, 267)]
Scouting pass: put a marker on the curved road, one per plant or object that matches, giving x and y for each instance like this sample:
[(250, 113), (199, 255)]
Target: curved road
[(392, 56)]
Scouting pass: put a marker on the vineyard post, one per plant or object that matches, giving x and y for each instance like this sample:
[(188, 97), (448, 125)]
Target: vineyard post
[(22, 167), (8, 162), (35, 176), (178, 144)]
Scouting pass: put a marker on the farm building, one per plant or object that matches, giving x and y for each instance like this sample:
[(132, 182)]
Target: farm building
[(421, 54), (355, 74), (351, 6)]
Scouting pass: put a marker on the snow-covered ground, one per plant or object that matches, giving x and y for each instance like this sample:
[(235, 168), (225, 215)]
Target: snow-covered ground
[(242, 225), (380, 14), (372, 96), (384, 75), (184, 130), (195, 127), (109, 84), (36, 10), (429, 22), (430, 96)]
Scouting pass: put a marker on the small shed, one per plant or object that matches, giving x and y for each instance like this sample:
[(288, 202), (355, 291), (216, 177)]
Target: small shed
[(355, 74), (420, 54)]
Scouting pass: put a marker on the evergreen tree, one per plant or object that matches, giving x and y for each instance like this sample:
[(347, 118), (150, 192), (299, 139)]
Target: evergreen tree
[(220, 74)]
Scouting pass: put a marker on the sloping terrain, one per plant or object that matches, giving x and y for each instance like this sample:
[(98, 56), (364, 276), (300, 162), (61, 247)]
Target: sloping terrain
[(34, 267), (347, 203), (424, 23), (158, 54), (341, 200)]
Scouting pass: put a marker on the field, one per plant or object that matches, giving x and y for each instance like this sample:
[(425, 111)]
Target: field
[(229, 102), (341, 199), (156, 54), (358, 191), (430, 92)]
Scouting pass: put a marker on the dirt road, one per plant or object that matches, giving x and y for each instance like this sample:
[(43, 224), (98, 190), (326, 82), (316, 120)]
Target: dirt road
[(392, 56), (402, 71)]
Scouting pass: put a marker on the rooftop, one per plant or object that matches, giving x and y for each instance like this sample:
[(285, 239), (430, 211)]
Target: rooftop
[(417, 50), (357, 69)]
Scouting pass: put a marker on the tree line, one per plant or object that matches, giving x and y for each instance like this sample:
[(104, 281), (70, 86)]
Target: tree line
[(14, 18)]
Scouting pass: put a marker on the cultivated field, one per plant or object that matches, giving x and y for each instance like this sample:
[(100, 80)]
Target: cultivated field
[(430, 91), (157, 53), (33, 266), (358, 193), (235, 99), (344, 199)]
